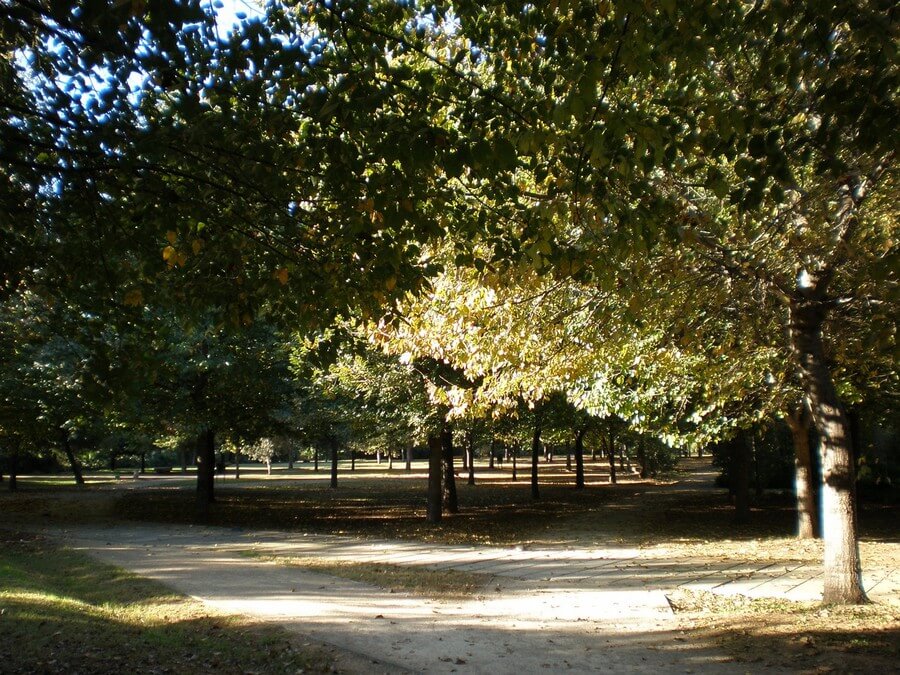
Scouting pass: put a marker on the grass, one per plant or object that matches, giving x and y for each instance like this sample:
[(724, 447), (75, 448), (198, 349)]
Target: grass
[(416, 579), (802, 636), (63, 612)]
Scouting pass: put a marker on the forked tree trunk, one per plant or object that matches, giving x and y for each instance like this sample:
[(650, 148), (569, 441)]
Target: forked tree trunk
[(579, 459), (206, 467), (73, 461), (451, 501), (334, 463), (842, 568), (433, 508), (804, 480), (535, 456)]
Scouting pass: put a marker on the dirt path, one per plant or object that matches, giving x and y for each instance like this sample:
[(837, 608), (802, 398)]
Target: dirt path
[(525, 627)]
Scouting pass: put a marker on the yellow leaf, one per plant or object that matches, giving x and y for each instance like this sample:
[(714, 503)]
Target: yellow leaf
[(282, 276), (168, 254), (196, 245), (181, 258), (171, 236), (134, 298)]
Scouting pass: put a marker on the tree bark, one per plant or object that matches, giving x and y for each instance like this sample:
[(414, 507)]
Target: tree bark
[(493, 449), (611, 457), (579, 459), (514, 452), (334, 463), (206, 466), (568, 456), (143, 463), (409, 454), (804, 481), (13, 465), (237, 464), (451, 501), (741, 457), (842, 567), (535, 457), (642, 458), (470, 456), (316, 458), (433, 508), (70, 456)]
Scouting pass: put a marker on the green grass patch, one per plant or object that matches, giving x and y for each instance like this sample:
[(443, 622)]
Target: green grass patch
[(416, 579), (63, 612)]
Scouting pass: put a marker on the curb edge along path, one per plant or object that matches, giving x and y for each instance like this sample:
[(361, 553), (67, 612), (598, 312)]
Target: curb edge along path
[(526, 627)]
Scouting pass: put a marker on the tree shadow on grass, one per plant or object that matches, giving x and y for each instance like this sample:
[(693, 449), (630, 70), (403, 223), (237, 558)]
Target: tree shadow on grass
[(64, 612)]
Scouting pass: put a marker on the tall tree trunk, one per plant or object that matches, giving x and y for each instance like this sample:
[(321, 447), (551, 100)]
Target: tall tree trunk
[(741, 457), (493, 449), (290, 457), (842, 567), (470, 455), (352, 459), (390, 460), (237, 464), (804, 480), (378, 456), (514, 452), (70, 456), (316, 458), (611, 457), (143, 463), (206, 466), (642, 457), (535, 456), (451, 502), (334, 463), (435, 450), (409, 454), (579, 459), (13, 464), (568, 455)]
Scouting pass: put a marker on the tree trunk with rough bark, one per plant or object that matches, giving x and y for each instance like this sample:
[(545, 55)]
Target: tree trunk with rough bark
[(842, 567), (451, 501), (206, 467), (435, 452), (642, 458), (535, 457), (73, 460), (804, 476), (334, 463), (741, 458), (470, 456), (579, 459)]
